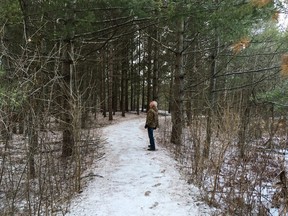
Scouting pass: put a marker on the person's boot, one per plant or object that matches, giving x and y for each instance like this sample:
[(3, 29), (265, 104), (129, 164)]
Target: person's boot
[(151, 148)]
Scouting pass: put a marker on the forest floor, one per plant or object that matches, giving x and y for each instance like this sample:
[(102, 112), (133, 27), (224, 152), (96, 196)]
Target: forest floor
[(129, 180)]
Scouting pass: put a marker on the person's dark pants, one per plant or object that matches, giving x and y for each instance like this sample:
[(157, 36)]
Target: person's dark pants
[(151, 138)]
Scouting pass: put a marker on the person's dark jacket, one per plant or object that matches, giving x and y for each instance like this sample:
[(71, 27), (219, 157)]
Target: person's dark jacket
[(152, 118)]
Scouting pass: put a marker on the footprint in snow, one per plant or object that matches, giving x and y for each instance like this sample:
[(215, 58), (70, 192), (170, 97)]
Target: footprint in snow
[(147, 193), (156, 185), (154, 205)]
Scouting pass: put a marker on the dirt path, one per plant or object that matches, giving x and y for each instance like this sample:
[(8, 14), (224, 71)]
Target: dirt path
[(133, 181)]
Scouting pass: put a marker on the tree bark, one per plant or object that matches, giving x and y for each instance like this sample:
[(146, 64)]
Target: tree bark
[(155, 68), (178, 94), (149, 72), (244, 121), (67, 118), (102, 73), (110, 83), (123, 82), (67, 72), (211, 99)]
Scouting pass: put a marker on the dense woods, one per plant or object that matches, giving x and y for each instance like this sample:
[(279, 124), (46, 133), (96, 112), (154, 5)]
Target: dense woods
[(218, 66)]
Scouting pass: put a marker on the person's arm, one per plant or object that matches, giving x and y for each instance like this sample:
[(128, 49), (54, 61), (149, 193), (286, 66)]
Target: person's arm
[(156, 120)]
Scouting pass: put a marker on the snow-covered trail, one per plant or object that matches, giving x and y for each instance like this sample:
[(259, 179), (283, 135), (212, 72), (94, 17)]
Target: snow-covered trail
[(133, 181)]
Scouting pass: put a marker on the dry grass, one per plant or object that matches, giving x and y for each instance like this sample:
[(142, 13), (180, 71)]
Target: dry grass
[(234, 185)]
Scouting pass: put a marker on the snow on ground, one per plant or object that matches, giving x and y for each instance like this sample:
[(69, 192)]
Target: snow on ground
[(132, 181)]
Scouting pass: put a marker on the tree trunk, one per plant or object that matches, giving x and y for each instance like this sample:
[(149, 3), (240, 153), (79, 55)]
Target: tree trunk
[(67, 117), (116, 87), (155, 68), (211, 100), (132, 73), (68, 140), (138, 76), (149, 73), (32, 133), (32, 143), (127, 82), (144, 106), (103, 84), (110, 83), (190, 79), (244, 121), (123, 82), (178, 94)]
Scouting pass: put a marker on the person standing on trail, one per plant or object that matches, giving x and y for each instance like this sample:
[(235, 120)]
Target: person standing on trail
[(152, 123)]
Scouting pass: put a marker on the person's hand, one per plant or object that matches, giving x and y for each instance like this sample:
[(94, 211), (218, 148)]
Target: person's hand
[(146, 126)]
